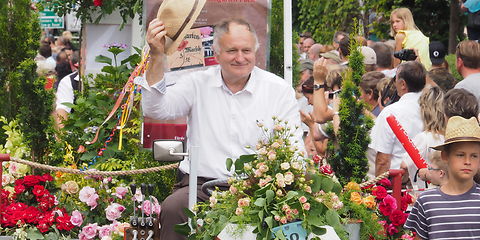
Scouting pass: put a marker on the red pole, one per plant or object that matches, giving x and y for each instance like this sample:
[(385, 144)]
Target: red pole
[(3, 157), (396, 176)]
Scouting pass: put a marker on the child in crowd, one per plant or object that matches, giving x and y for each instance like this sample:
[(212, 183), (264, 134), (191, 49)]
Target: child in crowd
[(408, 36), (437, 170), (453, 210)]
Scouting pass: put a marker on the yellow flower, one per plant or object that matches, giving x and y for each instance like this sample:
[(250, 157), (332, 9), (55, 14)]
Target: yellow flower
[(369, 202), (353, 186), (71, 187), (356, 197)]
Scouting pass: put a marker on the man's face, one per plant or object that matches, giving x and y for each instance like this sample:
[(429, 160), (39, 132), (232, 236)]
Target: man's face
[(463, 160), (307, 44), (339, 38), (237, 53)]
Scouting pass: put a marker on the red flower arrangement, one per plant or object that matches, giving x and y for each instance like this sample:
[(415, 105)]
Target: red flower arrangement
[(43, 213), (392, 217)]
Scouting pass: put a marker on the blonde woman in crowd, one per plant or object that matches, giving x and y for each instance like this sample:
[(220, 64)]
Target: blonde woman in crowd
[(434, 121)]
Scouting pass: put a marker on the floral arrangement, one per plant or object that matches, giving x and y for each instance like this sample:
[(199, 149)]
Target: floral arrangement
[(376, 210), (31, 211), (271, 188)]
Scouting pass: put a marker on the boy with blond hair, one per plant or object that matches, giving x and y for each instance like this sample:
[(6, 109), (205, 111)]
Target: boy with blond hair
[(452, 211)]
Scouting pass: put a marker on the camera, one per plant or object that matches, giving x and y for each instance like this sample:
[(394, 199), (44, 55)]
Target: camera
[(405, 55)]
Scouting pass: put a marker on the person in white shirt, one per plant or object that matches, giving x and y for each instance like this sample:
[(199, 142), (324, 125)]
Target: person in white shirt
[(409, 82), (222, 105), (65, 92)]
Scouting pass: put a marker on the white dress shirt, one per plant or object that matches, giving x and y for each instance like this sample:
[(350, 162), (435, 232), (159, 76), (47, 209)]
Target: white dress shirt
[(407, 112), (220, 123), (65, 92)]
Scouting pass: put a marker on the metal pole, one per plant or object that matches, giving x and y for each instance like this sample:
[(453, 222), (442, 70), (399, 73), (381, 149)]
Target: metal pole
[(287, 41), (192, 181)]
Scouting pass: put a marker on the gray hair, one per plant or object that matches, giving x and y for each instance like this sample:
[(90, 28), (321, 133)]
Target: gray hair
[(223, 27)]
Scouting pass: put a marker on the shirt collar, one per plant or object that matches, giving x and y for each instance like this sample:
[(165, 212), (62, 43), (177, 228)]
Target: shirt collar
[(410, 95), (250, 87)]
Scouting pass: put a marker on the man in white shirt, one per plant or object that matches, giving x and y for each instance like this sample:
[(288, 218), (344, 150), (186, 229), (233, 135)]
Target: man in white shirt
[(65, 92), (222, 105), (409, 82)]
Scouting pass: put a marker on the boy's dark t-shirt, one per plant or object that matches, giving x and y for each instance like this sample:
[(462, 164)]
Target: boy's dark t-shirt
[(437, 215)]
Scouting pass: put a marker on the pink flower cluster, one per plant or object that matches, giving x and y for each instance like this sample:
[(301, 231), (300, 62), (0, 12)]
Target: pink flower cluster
[(89, 196), (90, 231)]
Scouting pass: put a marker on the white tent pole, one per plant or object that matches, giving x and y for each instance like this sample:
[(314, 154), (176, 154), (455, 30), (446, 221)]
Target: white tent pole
[(287, 41)]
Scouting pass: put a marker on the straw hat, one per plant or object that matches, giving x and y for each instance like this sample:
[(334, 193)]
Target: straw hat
[(460, 129), (178, 17)]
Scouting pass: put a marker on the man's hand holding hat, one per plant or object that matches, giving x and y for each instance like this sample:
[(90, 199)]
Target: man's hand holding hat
[(156, 37)]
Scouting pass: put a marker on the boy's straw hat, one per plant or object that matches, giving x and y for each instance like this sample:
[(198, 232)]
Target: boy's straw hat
[(460, 129), (178, 17)]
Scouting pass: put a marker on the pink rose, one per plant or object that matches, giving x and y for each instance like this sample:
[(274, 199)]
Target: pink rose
[(92, 201), (104, 231), (76, 218), (90, 231), (147, 206), (114, 211), (388, 205), (120, 192), (89, 196)]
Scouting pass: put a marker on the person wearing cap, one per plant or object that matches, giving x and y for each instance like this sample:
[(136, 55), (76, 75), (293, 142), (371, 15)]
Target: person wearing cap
[(453, 210), (369, 58), (222, 103), (468, 65), (409, 83), (437, 55)]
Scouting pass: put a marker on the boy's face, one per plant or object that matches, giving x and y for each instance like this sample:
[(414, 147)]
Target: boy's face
[(435, 174), (463, 160)]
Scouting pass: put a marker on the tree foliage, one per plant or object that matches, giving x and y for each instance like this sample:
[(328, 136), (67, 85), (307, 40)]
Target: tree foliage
[(324, 17), (23, 95), (347, 150)]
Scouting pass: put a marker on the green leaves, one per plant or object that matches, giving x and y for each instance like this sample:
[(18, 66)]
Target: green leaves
[(229, 163), (239, 163), (103, 59)]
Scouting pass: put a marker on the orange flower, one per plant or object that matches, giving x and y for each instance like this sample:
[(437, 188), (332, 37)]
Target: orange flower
[(353, 186), (369, 202), (356, 197)]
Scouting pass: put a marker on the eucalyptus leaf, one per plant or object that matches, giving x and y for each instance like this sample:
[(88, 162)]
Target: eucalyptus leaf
[(318, 230), (332, 217), (260, 202), (269, 221), (229, 163), (270, 195), (34, 234)]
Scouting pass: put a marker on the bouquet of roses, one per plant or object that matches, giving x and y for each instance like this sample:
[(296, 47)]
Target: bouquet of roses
[(271, 188), (31, 211)]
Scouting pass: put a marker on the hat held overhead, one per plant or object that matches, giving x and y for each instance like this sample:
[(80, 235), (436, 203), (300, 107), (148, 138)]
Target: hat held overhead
[(178, 17), (460, 129)]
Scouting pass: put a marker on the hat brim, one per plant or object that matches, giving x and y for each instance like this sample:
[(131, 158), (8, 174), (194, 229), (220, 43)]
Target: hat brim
[(171, 46), (463, 139)]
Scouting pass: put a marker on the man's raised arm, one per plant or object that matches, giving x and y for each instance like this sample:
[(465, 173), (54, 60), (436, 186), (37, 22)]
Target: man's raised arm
[(156, 40)]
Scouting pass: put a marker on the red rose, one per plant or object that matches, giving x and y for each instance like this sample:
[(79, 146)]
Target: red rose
[(39, 190), (43, 227), (97, 3), (63, 223), (406, 199), (316, 159), (18, 182), (47, 177), (31, 180), (385, 183), (398, 217), (390, 229), (31, 214), (4, 196), (379, 192), (326, 169), (19, 189), (387, 205)]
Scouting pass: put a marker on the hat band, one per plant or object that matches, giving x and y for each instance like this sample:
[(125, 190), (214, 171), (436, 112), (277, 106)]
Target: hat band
[(465, 139), (187, 20)]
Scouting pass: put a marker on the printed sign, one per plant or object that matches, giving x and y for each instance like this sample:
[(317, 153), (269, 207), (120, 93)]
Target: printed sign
[(48, 19)]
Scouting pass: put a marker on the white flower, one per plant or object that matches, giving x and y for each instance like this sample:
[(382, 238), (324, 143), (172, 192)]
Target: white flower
[(289, 177), (280, 180), (285, 166)]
